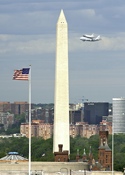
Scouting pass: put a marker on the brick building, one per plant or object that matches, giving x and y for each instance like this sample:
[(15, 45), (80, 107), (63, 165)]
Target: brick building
[(19, 107), (104, 152), (5, 106), (61, 155), (83, 129), (106, 126), (15, 108), (45, 130), (38, 129)]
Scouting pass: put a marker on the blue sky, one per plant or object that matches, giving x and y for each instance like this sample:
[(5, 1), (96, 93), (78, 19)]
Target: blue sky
[(28, 36)]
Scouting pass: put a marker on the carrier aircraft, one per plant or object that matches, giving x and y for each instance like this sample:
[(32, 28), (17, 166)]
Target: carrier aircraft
[(91, 37)]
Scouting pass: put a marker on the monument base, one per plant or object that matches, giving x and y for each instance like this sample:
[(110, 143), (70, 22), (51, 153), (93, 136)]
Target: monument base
[(44, 166)]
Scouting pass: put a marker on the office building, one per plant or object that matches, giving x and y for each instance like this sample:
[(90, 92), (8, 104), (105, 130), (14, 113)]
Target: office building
[(94, 111), (118, 115)]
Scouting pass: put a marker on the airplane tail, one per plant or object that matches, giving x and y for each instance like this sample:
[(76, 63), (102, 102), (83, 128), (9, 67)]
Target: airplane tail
[(98, 37), (92, 34)]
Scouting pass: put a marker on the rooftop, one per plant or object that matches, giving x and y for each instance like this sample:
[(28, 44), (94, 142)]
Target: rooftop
[(13, 156)]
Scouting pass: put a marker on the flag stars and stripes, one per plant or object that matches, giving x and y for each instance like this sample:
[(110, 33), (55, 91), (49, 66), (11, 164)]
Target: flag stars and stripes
[(22, 74)]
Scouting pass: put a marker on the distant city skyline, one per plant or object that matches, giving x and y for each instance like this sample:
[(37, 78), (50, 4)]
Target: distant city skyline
[(28, 37)]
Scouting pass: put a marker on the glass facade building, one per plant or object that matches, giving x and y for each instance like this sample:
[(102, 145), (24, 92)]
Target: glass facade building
[(94, 111), (118, 115)]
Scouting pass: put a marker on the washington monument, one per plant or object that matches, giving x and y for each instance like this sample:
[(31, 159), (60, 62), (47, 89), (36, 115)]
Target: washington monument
[(61, 108)]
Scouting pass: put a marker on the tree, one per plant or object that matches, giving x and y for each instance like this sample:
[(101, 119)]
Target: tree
[(42, 150)]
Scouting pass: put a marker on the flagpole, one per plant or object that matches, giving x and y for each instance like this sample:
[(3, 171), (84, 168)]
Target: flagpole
[(25, 74), (113, 154), (112, 147), (30, 121)]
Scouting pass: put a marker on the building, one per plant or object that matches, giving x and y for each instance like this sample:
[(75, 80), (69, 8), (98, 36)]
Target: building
[(15, 108), (61, 156), (19, 107), (88, 130), (5, 106), (104, 162), (38, 129), (75, 116), (94, 111), (74, 130), (45, 130), (118, 115), (104, 152), (39, 113), (13, 157), (83, 129), (6, 119), (106, 126)]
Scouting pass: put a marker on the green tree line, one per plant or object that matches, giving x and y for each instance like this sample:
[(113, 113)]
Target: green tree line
[(42, 150)]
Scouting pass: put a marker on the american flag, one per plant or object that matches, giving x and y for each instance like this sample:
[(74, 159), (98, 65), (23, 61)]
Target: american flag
[(22, 74)]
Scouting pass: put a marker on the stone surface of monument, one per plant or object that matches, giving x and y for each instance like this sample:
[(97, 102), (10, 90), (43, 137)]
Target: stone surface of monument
[(61, 101)]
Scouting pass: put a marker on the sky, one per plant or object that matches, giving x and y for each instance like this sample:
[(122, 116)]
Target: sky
[(28, 37)]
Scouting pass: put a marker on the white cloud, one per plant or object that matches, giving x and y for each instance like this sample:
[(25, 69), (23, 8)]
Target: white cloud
[(89, 13), (37, 22), (28, 44), (38, 44), (115, 42)]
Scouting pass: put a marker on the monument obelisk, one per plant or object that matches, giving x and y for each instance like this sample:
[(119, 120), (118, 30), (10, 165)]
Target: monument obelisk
[(61, 101)]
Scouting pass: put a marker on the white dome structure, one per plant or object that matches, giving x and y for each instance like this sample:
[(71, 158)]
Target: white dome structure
[(13, 157)]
